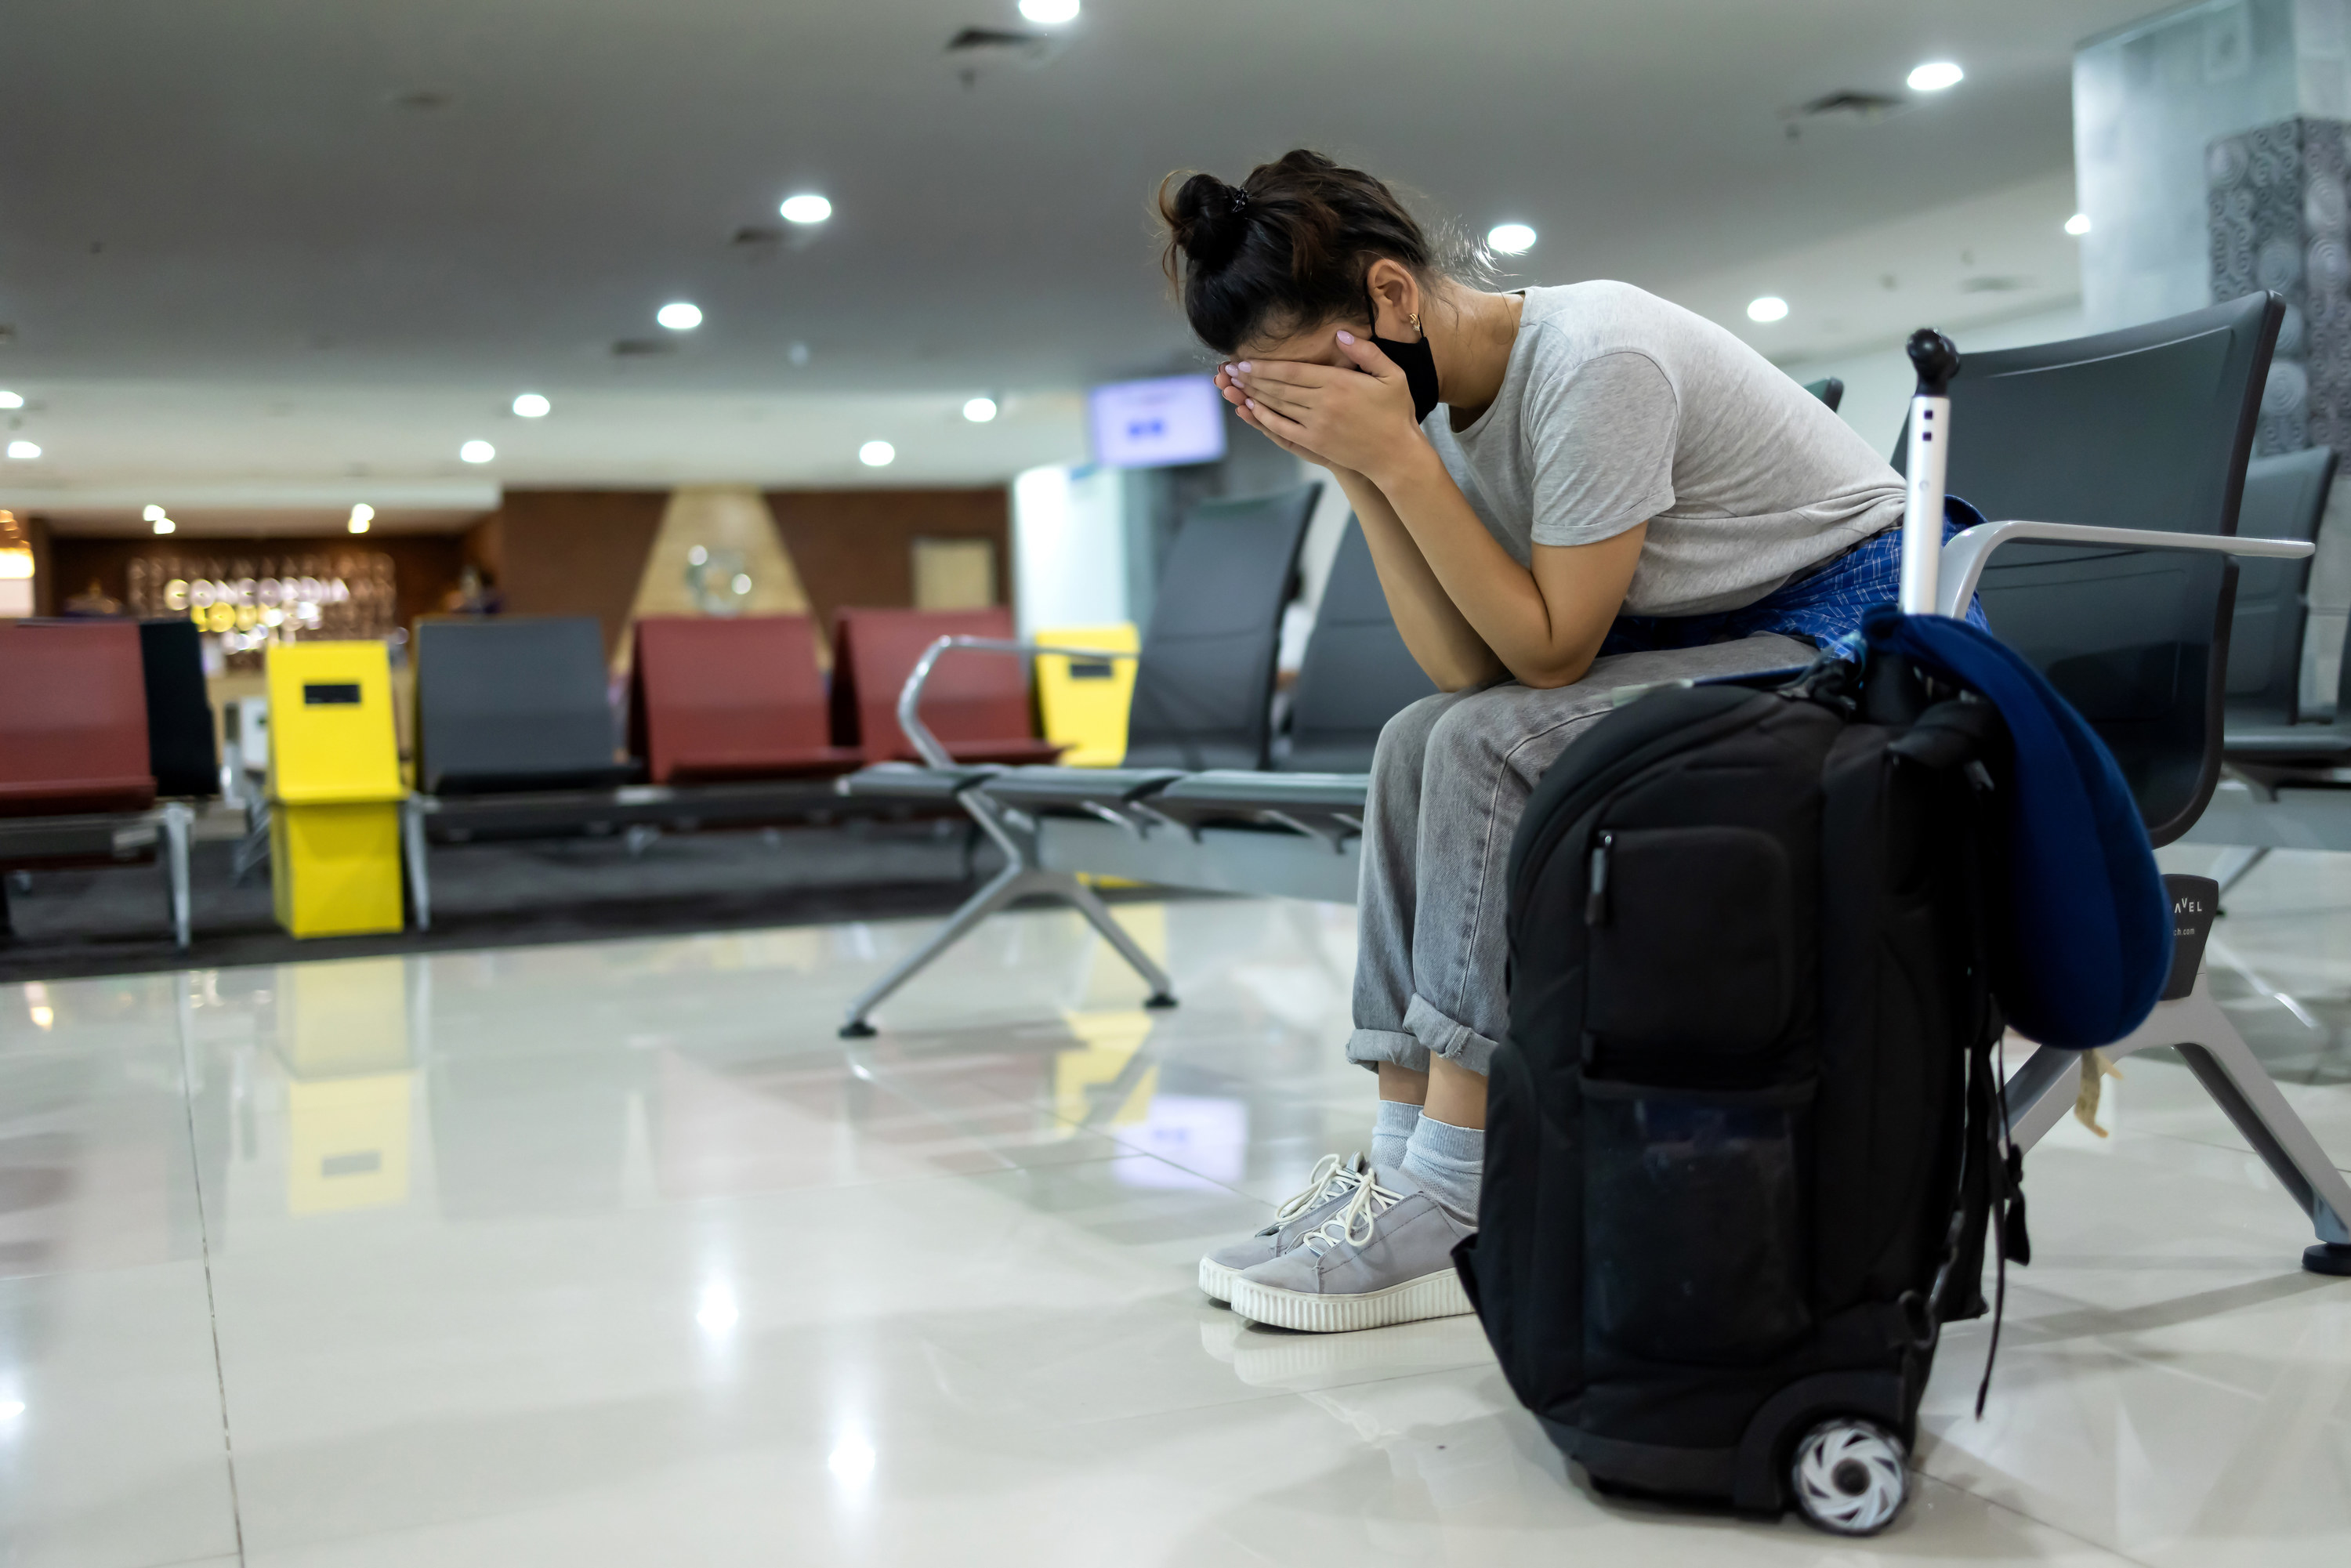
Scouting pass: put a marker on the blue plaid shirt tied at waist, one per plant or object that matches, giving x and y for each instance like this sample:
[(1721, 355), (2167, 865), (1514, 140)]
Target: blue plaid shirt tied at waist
[(1822, 609)]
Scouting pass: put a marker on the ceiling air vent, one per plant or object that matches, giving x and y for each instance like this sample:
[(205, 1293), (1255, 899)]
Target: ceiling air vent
[(1849, 106), (977, 49), (642, 348)]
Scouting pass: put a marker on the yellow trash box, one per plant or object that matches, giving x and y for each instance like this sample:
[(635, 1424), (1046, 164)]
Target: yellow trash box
[(1084, 701), (334, 790)]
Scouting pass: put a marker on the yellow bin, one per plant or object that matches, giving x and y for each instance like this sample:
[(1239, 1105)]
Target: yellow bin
[(1084, 701), (334, 790)]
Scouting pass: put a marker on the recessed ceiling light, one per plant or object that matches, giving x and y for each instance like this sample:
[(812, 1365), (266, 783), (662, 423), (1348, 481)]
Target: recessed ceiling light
[(877, 455), (1510, 239), (165, 525), (11, 400), (1771, 308), (1049, 12), (152, 515), (979, 409), (806, 208), (1935, 76), (11, 1409), (2079, 224), (679, 315), (23, 449), (361, 515), (532, 406), (476, 451)]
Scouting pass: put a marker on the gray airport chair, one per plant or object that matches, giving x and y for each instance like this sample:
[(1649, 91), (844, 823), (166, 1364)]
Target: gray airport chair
[(1203, 698), (1357, 673), (2148, 430), (513, 702)]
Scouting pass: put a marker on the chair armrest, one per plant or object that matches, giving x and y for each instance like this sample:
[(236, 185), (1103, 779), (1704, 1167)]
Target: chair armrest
[(1967, 553), (910, 695)]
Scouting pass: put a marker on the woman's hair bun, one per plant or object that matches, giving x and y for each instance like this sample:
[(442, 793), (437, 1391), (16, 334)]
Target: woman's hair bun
[(1209, 219)]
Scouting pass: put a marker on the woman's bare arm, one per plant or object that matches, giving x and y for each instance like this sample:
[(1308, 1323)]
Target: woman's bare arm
[(1440, 639)]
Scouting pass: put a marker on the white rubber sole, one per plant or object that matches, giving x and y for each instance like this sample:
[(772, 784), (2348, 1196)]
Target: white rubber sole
[(1217, 1281), (1438, 1295)]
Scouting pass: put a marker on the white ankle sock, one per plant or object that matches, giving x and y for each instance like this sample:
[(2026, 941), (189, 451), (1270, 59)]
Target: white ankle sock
[(1390, 1133), (1448, 1162)]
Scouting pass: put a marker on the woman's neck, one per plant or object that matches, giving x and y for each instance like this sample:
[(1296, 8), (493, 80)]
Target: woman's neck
[(1472, 347)]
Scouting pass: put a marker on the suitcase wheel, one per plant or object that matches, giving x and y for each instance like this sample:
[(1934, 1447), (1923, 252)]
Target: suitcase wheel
[(1849, 1476)]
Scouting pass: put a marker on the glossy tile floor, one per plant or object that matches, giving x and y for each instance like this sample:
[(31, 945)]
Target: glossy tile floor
[(613, 1254)]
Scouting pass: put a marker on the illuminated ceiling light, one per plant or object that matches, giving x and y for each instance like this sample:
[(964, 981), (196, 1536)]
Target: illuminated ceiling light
[(741, 584), (1050, 13), (152, 515), (24, 451), (361, 515), (164, 525), (1771, 308), (11, 400), (532, 406), (806, 208), (679, 315), (1935, 76), (1510, 239), (476, 451), (877, 455), (10, 1409), (979, 409), (2079, 224)]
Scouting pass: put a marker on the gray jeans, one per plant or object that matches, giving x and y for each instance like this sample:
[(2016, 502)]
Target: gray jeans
[(1450, 780)]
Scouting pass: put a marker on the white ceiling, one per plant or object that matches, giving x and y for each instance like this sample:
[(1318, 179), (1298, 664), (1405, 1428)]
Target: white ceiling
[(231, 253)]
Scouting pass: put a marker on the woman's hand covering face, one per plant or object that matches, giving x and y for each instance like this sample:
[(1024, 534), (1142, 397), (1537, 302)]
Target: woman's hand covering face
[(1355, 415)]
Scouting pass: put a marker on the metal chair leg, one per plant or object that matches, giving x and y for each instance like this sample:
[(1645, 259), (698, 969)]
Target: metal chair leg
[(1089, 905), (178, 823), (420, 882), (2038, 1093), (1008, 885), (1022, 877)]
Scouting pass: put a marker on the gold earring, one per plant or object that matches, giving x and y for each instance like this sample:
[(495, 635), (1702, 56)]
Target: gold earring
[(1415, 319)]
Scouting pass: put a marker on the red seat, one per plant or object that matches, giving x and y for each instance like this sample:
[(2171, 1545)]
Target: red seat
[(73, 718), (736, 698), (976, 702)]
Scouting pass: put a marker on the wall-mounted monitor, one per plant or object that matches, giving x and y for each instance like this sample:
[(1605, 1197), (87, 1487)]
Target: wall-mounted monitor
[(1158, 423)]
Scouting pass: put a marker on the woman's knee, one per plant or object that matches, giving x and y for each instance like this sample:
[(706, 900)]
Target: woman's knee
[(1403, 740)]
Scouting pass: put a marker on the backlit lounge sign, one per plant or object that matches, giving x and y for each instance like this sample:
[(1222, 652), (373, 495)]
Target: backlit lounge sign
[(245, 603)]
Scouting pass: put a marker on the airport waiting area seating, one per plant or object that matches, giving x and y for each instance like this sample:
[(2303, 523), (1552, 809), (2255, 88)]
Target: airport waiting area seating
[(728, 718), (979, 709), (2283, 763), (713, 699), (98, 720)]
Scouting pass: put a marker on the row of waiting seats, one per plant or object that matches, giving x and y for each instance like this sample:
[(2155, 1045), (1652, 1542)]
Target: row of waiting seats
[(2139, 441)]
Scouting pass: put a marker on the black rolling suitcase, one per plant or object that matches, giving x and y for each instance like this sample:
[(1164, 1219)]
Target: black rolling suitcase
[(1743, 1142)]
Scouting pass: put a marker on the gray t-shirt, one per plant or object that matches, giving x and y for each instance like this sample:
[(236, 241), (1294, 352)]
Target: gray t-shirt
[(1619, 408)]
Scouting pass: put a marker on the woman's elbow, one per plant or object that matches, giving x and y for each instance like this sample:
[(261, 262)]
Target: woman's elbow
[(1551, 676)]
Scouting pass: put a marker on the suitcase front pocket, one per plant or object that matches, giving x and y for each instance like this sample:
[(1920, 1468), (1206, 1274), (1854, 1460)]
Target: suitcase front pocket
[(1692, 936), (1693, 1223)]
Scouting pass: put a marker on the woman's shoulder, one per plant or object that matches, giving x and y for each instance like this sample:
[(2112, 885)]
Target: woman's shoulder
[(1601, 314)]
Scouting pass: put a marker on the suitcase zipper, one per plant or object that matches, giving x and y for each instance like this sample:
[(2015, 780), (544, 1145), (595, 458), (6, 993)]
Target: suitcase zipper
[(1595, 901)]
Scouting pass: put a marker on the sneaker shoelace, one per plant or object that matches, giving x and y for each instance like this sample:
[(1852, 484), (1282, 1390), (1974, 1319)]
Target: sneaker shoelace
[(1363, 1210), (1333, 1176)]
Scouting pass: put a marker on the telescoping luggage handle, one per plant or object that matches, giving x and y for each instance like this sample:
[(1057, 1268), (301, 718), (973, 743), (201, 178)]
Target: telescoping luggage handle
[(1936, 359)]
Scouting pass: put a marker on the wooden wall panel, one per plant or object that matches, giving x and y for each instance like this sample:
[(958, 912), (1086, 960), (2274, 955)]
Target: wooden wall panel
[(571, 552), (856, 547)]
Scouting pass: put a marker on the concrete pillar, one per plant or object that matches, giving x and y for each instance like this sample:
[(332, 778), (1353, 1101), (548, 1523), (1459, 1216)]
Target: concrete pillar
[(2211, 153)]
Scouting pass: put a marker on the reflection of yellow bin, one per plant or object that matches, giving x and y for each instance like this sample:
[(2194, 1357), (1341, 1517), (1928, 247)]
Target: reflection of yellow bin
[(342, 1029), (1084, 701), (334, 790)]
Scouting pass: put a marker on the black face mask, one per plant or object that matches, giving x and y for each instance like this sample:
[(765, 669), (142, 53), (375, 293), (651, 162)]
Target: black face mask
[(1419, 368)]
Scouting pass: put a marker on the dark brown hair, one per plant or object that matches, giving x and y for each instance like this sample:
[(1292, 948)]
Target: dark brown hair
[(1290, 246)]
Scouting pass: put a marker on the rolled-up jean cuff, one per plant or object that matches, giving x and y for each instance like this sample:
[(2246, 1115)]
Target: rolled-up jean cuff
[(1370, 1047), (1443, 1037)]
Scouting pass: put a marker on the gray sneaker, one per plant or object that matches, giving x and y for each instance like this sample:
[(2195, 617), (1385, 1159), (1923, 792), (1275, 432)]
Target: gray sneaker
[(1334, 1182), (1384, 1257)]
